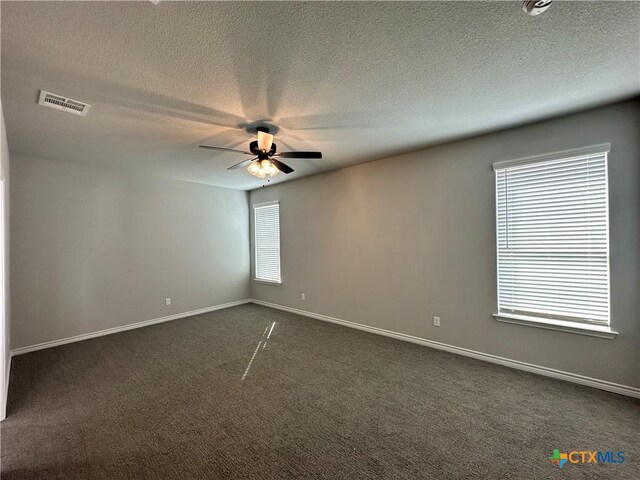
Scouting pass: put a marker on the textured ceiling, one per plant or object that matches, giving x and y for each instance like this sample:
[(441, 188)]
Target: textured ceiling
[(356, 80)]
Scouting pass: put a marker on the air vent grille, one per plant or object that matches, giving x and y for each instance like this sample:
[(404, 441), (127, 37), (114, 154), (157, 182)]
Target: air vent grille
[(62, 103)]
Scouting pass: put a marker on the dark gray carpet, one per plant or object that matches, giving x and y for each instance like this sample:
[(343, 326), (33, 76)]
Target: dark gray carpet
[(212, 397)]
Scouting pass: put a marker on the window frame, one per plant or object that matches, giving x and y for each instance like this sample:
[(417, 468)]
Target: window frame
[(255, 207), (571, 326)]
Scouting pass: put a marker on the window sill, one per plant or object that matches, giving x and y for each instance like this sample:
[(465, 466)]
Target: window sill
[(268, 282), (558, 325)]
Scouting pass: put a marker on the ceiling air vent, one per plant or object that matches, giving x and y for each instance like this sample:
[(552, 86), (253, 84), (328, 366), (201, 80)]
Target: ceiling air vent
[(62, 103)]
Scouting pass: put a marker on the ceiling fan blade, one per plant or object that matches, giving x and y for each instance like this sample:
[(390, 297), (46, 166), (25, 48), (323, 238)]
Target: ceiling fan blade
[(264, 141), (244, 163), (225, 149), (299, 154), (283, 167)]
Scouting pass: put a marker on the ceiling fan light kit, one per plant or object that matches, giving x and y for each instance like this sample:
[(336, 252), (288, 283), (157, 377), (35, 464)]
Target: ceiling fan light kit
[(265, 164), (263, 169)]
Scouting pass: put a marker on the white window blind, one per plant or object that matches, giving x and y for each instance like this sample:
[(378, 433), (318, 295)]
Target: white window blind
[(267, 242), (553, 236)]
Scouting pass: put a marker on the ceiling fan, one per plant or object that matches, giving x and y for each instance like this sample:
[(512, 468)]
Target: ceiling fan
[(266, 161)]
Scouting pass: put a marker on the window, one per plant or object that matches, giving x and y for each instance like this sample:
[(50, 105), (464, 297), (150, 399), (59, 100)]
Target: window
[(553, 238), (267, 242)]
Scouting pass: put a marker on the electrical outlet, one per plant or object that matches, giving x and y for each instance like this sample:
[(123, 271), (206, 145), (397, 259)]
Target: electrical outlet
[(167, 301), (303, 297), (436, 321)]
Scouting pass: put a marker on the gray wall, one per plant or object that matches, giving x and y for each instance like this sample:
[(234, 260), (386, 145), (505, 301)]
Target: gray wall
[(5, 318), (95, 248), (394, 242)]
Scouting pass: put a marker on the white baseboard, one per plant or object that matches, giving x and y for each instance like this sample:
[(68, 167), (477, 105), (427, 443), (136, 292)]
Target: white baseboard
[(3, 407), (131, 326), (527, 367)]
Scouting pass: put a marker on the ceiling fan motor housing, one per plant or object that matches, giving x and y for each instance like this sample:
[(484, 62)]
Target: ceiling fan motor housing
[(253, 148)]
